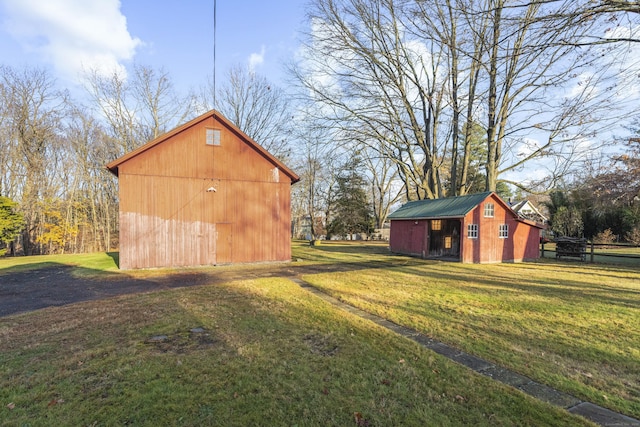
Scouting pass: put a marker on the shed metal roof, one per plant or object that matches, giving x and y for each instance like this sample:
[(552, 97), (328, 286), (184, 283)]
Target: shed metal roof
[(450, 207)]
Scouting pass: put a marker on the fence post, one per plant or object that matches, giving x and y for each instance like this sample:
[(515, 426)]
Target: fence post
[(592, 252)]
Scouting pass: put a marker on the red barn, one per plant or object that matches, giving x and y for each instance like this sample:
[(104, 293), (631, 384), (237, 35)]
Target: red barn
[(477, 228), (203, 194)]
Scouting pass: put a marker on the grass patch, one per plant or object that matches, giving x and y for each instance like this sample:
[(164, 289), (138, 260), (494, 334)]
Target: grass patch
[(619, 255), (572, 326), (331, 251), (260, 352), (88, 265)]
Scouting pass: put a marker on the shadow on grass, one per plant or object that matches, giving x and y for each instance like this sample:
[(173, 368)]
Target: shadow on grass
[(339, 251), (354, 248), (324, 363), (37, 285), (566, 290), (600, 259), (31, 287), (115, 256)]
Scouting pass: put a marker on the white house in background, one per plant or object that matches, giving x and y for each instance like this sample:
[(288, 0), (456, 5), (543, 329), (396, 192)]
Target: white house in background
[(527, 210)]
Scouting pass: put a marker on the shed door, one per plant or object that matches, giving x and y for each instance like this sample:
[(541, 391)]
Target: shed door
[(224, 243), (417, 239), (444, 238)]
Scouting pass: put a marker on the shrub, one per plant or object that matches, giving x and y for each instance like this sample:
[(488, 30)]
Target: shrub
[(605, 237), (633, 236)]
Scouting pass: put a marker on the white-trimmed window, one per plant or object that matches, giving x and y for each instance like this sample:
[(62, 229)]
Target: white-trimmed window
[(213, 136), (488, 210), (472, 231), (503, 232)]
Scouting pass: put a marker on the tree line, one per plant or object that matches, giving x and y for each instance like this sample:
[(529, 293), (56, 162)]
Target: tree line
[(604, 205), (454, 97), (389, 101)]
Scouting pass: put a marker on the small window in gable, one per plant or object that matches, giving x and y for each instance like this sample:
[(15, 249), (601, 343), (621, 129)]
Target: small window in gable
[(213, 137), (488, 210)]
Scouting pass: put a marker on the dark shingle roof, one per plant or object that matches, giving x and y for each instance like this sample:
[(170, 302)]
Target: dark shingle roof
[(450, 207)]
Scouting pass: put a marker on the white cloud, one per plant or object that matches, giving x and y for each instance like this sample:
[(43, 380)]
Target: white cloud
[(583, 86), (527, 147), (256, 59), (628, 65), (622, 32), (72, 35)]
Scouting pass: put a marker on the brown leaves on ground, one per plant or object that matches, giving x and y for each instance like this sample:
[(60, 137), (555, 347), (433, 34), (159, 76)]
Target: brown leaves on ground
[(360, 420), (54, 402)]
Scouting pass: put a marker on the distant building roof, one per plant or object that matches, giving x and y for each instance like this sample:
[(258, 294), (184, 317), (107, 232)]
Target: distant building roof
[(450, 207), (525, 209)]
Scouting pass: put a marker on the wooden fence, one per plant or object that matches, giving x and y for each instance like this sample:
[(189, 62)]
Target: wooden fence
[(588, 251)]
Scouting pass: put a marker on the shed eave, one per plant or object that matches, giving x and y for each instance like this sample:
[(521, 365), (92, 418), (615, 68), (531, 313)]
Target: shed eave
[(426, 218), (531, 223)]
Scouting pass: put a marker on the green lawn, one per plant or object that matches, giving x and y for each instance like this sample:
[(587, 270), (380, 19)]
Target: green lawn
[(88, 265), (620, 255), (573, 326), (271, 353)]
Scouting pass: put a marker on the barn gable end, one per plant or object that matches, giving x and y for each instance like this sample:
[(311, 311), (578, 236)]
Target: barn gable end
[(186, 202)]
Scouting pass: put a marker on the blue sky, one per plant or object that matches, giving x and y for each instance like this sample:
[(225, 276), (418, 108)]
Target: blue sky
[(67, 35)]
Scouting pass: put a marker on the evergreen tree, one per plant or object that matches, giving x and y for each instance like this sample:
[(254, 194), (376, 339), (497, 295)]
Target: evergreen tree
[(566, 218), (352, 210)]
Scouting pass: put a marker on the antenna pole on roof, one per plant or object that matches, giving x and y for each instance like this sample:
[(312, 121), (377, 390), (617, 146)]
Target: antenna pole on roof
[(215, 105)]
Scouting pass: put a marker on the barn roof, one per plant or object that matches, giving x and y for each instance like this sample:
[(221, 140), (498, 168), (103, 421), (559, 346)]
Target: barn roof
[(450, 207), (113, 166)]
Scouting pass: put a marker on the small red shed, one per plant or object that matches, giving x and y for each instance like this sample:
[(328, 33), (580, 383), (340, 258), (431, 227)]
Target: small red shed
[(477, 228), (203, 194)]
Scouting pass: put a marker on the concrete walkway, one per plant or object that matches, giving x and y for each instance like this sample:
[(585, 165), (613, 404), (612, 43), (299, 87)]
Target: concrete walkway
[(590, 411)]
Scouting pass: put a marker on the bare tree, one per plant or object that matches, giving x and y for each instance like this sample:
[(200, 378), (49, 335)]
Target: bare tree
[(614, 13), (161, 107), (384, 80), (92, 191), (53, 151), (112, 97), (417, 76), (259, 108), (316, 161), (137, 110), (385, 188), (32, 113), (8, 179), (445, 27)]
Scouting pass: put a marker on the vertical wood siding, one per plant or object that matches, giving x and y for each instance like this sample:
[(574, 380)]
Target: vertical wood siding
[(521, 244), (410, 237), (169, 218)]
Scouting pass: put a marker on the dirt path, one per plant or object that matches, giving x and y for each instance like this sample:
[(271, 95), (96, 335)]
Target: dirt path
[(57, 285)]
